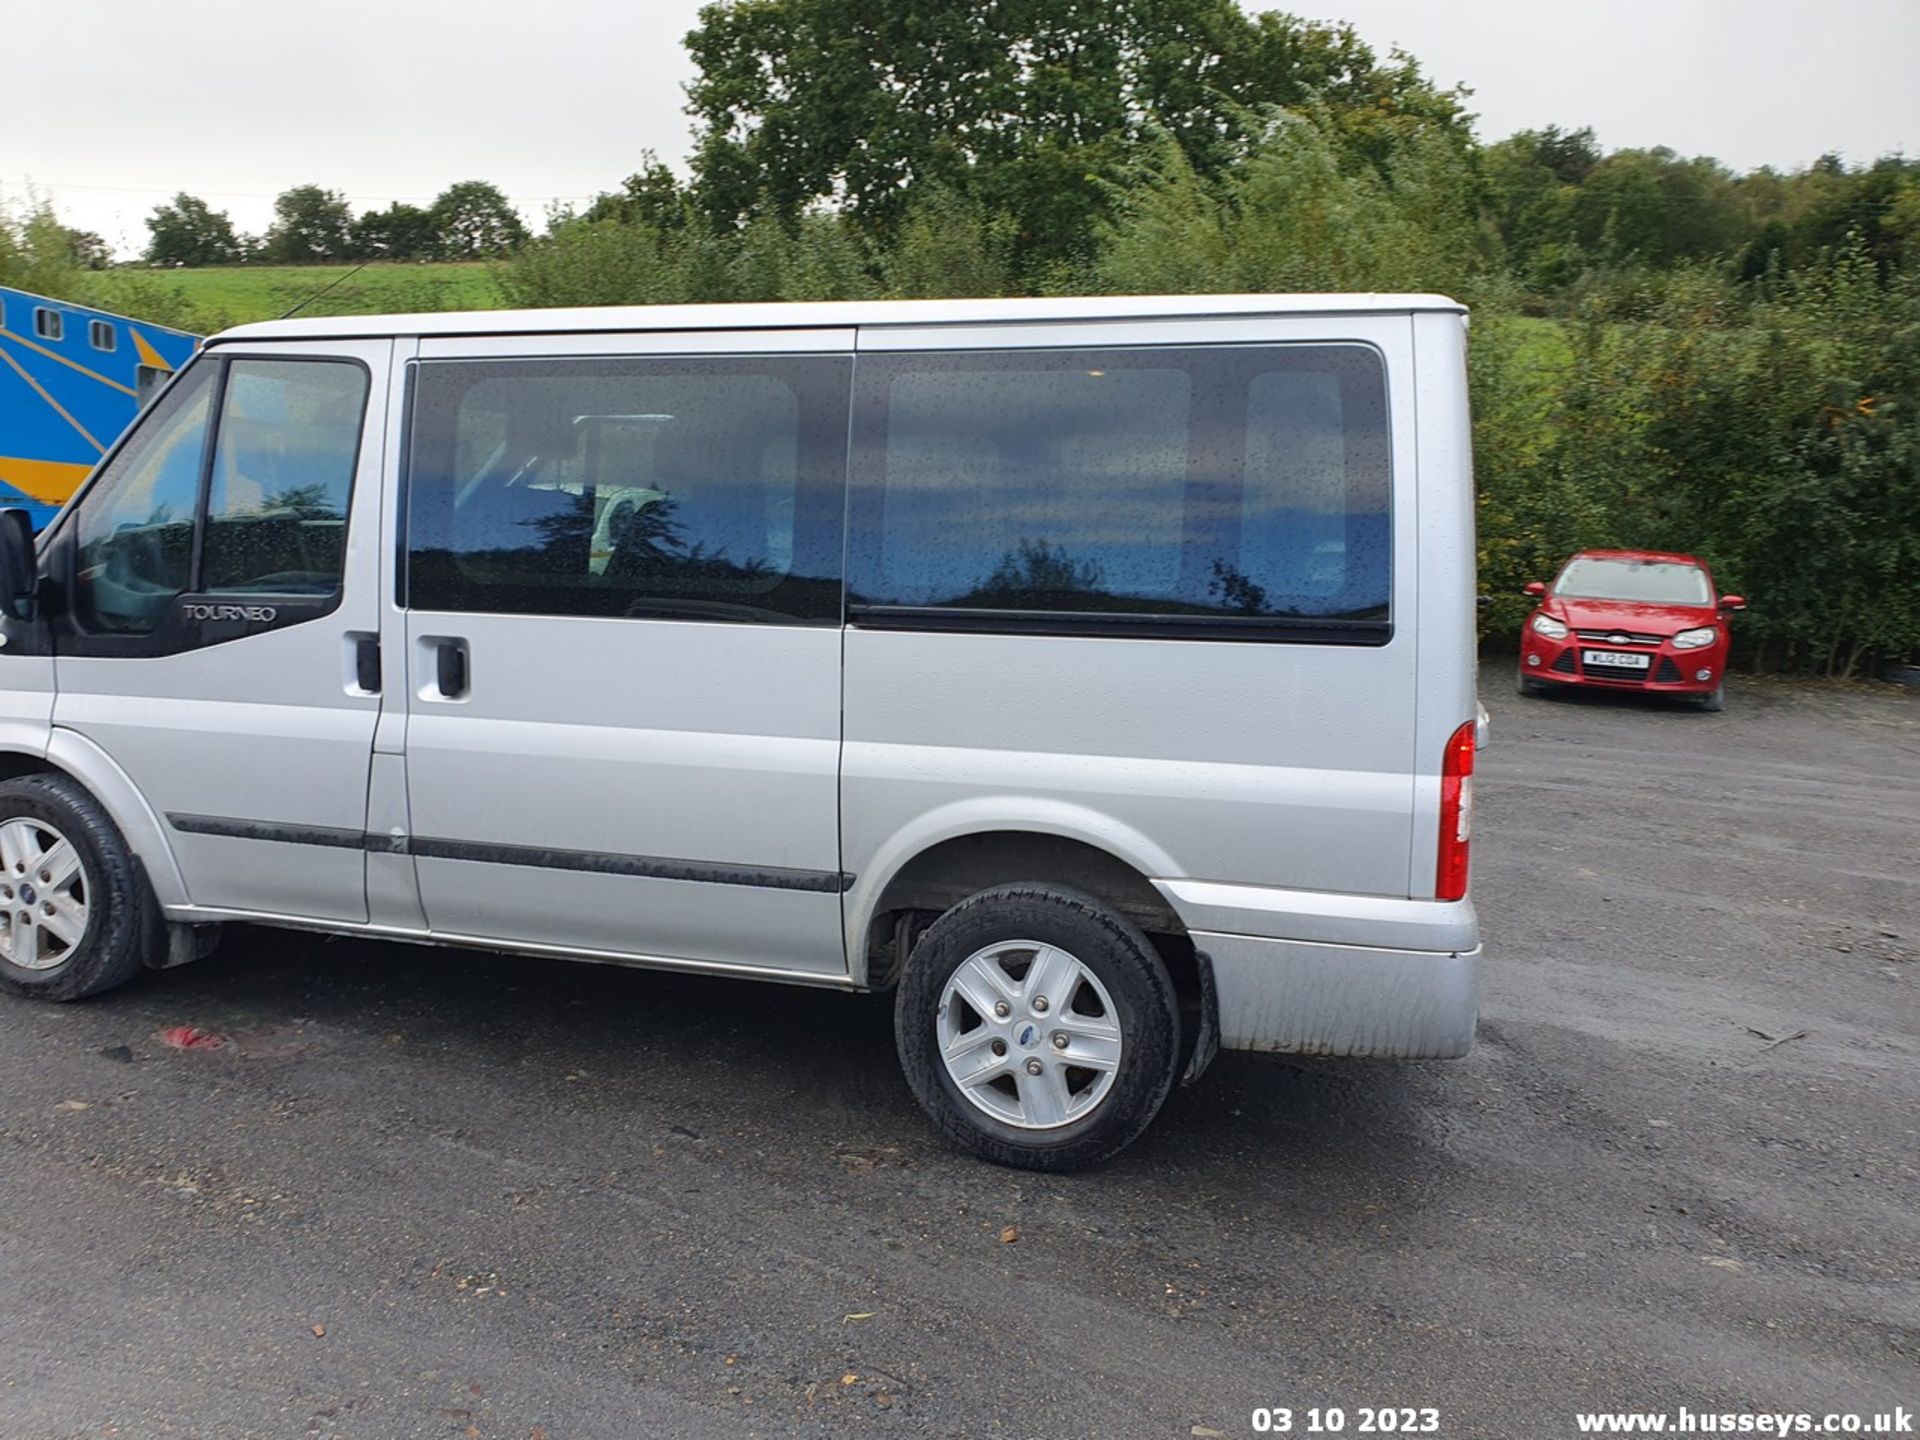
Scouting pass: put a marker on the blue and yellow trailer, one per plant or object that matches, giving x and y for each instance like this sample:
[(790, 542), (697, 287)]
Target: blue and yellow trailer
[(71, 379)]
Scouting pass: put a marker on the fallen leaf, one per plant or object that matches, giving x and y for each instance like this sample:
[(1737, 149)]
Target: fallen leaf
[(319, 1331), (1010, 1234), (863, 1315), (67, 1107), (849, 1379)]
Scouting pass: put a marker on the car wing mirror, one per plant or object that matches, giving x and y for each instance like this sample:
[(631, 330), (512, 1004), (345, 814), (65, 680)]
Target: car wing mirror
[(1535, 588), (19, 576), (1733, 602)]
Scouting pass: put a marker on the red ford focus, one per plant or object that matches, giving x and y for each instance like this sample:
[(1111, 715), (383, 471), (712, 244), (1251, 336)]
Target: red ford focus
[(1629, 620)]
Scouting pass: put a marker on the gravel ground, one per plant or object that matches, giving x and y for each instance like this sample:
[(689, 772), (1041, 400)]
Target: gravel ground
[(429, 1193)]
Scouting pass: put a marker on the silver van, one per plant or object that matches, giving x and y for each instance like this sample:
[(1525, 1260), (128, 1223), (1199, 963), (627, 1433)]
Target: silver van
[(1096, 674)]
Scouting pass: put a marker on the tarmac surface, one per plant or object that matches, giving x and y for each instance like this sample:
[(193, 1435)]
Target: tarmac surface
[(435, 1193)]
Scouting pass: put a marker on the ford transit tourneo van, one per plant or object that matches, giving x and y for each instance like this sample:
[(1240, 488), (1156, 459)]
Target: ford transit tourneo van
[(1096, 674)]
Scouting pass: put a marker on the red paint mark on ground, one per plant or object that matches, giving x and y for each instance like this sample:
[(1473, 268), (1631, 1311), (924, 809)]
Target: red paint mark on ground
[(192, 1037)]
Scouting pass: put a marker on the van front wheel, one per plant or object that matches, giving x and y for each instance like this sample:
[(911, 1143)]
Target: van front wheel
[(1037, 1027), (76, 913)]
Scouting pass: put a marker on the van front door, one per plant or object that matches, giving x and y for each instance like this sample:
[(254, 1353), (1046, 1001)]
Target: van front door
[(221, 577), (623, 619)]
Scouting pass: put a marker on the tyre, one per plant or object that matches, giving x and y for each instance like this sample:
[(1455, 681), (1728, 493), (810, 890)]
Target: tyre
[(1528, 686), (1715, 700), (1038, 1028), (76, 913)]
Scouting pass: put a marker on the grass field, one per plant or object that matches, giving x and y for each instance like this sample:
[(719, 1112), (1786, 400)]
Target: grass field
[(236, 294)]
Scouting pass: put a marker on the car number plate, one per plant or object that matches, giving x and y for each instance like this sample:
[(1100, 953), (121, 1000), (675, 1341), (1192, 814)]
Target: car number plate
[(1625, 659)]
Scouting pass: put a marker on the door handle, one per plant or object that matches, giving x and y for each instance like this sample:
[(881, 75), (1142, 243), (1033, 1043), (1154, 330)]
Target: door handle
[(450, 668), (366, 663)]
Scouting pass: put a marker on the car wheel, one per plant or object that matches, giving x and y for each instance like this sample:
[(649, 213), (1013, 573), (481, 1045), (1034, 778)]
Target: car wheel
[(1715, 700), (1038, 1028), (1528, 686), (76, 913)]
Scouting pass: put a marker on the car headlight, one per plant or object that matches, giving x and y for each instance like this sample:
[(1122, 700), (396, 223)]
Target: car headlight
[(1550, 627), (1694, 639)]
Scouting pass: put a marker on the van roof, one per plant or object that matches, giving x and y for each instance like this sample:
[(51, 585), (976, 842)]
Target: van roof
[(831, 314)]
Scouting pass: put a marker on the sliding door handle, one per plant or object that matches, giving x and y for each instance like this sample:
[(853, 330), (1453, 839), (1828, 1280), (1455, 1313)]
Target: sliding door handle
[(366, 662), (450, 668)]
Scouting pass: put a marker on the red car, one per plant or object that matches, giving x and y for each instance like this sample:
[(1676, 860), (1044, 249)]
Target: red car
[(1629, 620)]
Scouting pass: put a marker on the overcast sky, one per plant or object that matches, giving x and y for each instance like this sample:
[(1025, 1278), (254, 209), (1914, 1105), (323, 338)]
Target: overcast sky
[(114, 105)]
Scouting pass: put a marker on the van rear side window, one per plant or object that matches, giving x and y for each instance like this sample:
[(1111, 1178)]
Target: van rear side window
[(1244, 485), (669, 488)]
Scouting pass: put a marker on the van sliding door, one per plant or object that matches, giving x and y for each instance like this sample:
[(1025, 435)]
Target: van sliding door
[(623, 629)]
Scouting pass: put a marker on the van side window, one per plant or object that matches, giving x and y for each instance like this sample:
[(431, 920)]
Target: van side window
[(135, 525), (1233, 486), (668, 488), (282, 471)]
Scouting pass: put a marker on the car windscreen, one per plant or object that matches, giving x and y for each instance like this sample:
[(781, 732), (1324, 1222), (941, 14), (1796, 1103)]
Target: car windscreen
[(1649, 582)]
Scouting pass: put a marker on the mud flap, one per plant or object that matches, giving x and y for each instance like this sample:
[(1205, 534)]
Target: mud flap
[(187, 943), (1206, 1044)]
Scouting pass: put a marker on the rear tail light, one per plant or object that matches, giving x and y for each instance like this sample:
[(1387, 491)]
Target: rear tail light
[(1456, 815)]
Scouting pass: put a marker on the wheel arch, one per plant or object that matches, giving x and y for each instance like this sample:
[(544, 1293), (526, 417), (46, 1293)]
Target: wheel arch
[(87, 765), (944, 859)]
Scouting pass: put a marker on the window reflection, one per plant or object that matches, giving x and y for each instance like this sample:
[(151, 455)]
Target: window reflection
[(706, 488), (1232, 481)]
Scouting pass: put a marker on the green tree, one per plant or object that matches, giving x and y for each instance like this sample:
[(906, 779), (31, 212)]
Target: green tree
[(37, 252), (652, 195), (607, 262), (1296, 214), (475, 220), (309, 224), (950, 245), (1656, 207), (1532, 178), (90, 251), (1024, 107), (399, 232), (188, 231)]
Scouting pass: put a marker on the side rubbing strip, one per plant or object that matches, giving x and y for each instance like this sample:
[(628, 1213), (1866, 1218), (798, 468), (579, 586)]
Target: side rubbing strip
[(593, 862), (647, 866), (256, 830)]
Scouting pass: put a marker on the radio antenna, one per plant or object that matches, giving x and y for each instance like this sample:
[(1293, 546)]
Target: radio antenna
[(325, 289)]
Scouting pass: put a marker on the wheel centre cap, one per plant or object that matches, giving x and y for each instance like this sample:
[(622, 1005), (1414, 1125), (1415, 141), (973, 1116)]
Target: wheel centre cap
[(1026, 1035), (26, 894)]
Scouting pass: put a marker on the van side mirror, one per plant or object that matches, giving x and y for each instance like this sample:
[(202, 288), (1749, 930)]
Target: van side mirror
[(19, 577), (1537, 589), (1732, 602)]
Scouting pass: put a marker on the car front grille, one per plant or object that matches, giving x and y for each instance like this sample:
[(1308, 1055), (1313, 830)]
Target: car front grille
[(1564, 664), (1619, 637), (1668, 673), (1629, 673)]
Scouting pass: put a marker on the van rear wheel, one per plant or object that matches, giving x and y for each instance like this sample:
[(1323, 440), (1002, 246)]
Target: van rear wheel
[(76, 913), (1037, 1027)]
